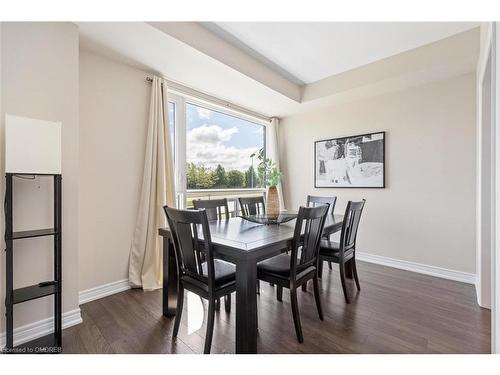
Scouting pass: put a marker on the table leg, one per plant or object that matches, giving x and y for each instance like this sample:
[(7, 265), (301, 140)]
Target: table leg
[(169, 279), (246, 307)]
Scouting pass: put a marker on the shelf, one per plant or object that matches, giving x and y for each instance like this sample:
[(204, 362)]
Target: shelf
[(32, 174), (42, 345), (45, 344), (32, 292), (33, 233)]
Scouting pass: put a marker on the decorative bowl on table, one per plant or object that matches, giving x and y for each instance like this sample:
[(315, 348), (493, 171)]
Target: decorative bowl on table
[(270, 219)]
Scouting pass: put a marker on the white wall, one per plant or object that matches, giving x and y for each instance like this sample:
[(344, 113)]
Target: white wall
[(426, 214), (114, 104), (40, 80)]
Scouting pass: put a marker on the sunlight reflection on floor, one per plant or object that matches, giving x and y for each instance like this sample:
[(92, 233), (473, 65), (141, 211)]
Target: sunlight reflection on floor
[(195, 312), (196, 309)]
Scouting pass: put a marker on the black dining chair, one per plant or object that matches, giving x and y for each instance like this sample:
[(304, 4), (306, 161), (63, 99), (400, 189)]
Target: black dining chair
[(291, 270), (255, 206), (252, 206), (344, 253), (314, 200), (210, 279), (217, 209)]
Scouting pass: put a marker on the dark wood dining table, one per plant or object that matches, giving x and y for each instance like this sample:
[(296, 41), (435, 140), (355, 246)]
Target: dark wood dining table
[(243, 243)]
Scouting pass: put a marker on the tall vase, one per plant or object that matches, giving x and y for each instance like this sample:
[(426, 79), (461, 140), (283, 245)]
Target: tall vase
[(273, 202)]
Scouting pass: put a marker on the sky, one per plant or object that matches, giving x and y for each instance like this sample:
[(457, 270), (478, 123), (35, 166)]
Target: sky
[(215, 138)]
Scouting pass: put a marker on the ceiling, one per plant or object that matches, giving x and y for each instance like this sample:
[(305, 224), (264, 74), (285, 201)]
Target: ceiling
[(147, 48), (277, 69), (307, 52)]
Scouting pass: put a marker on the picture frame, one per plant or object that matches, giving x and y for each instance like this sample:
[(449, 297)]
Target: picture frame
[(356, 161)]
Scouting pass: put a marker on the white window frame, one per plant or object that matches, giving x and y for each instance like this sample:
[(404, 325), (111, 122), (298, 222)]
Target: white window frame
[(180, 147), (180, 100)]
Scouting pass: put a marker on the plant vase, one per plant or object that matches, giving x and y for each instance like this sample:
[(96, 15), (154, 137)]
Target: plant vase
[(273, 202)]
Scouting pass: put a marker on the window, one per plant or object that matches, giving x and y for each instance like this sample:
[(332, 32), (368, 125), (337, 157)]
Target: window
[(220, 150), (213, 150)]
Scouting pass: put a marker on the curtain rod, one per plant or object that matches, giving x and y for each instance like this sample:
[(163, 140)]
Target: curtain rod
[(200, 95)]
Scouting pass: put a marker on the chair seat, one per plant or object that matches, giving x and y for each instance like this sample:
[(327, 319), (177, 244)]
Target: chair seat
[(332, 249), (224, 271), (279, 264)]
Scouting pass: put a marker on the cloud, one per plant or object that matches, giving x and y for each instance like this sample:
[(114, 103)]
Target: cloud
[(212, 134), (205, 145), (229, 157), (203, 113)]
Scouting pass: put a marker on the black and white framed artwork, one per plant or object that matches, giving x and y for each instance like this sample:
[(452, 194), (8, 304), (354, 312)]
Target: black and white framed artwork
[(357, 161)]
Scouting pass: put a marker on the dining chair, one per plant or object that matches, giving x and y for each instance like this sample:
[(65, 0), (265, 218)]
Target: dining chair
[(216, 209), (314, 200), (255, 206), (291, 270), (344, 252), (252, 205), (211, 279)]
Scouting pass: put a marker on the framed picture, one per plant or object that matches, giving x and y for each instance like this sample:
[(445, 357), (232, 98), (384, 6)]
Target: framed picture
[(357, 161)]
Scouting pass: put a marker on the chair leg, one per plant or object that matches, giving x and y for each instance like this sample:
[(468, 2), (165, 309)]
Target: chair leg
[(257, 318), (217, 304), (180, 304), (342, 281), (320, 269), (258, 287), (227, 303), (330, 265), (317, 298), (296, 317), (348, 269), (355, 272), (210, 325), (279, 293)]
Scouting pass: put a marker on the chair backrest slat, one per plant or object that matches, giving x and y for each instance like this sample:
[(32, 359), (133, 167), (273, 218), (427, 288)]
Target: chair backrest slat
[(314, 201), (307, 237), (213, 208), (185, 227), (252, 206), (350, 225)]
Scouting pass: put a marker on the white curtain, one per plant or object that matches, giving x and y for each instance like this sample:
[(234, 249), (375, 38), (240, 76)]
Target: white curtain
[(145, 265), (273, 151)]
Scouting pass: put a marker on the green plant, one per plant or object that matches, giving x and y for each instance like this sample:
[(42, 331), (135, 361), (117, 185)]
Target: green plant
[(267, 169)]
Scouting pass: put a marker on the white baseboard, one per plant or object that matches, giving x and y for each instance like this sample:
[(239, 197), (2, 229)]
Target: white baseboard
[(103, 291), (42, 327), (425, 269)]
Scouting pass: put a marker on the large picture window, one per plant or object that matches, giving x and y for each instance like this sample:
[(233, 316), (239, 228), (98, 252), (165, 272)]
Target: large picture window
[(220, 150), (214, 151)]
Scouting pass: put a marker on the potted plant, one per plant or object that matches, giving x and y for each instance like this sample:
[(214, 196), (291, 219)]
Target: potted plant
[(271, 176)]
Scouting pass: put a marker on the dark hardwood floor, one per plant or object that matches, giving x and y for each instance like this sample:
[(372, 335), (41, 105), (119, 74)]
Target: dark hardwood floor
[(395, 312)]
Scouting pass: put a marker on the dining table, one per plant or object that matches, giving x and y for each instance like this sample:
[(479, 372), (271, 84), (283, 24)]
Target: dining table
[(243, 243)]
